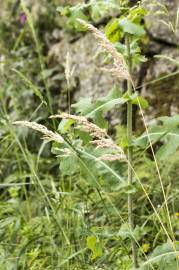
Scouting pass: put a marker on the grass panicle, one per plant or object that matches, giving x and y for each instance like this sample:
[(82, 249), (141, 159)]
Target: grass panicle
[(47, 134), (100, 137), (119, 68)]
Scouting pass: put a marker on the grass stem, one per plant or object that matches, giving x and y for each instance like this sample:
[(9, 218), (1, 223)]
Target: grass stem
[(130, 150)]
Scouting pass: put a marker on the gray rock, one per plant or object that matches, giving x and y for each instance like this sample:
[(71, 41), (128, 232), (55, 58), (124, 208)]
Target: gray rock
[(90, 81), (85, 57), (162, 93), (161, 20)]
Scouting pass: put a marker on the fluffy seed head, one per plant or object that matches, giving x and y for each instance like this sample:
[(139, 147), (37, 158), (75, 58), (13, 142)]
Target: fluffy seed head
[(102, 140), (69, 70), (48, 134), (120, 69), (113, 157), (87, 126)]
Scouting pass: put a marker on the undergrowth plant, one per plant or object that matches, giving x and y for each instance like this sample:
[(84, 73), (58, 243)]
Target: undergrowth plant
[(104, 201)]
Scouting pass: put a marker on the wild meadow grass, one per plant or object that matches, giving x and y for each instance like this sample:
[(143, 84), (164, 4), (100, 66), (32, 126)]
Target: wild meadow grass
[(79, 196)]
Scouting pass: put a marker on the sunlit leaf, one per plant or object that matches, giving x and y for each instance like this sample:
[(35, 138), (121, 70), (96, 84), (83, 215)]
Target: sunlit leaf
[(95, 246), (131, 28)]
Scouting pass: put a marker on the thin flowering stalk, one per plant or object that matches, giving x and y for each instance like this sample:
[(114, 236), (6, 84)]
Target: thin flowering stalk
[(171, 238), (121, 71), (30, 23), (48, 134), (119, 68), (130, 152), (69, 70)]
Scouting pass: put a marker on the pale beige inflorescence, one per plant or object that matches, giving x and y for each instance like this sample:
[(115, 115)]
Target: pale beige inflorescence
[(87, 126), (113, 157), (99, 135), (69, 69), (102, 139), (120, 68), (48, 134), (106, 143)]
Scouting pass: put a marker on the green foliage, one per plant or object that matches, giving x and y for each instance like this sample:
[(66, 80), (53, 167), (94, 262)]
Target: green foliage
[(137, 57), (72, 15), (163, 257), (131, 24), (117, 28), (166, 130), (137, 100), (97, 109), (137, 14), (131, 28), (112, 31), (95, 246), (51, 195), (97, 9)]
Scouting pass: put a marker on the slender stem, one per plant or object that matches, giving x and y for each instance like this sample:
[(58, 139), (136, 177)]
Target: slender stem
[(130, 150)]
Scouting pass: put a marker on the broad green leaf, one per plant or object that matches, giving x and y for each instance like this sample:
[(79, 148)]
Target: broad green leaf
[(6, 221), (84, 136), (69, 165), (95, 246), (166, 130), (100, 8), (86, 108), (113, 94), (65, 125), (134, 49), (142, 101), (107, 106), (83, 106), (136, 99), (99, 119), (155, 134), (125, 232), (170, 122), (121, 136), (46, 73), (169, 147), (73, 23), (90, 176), (97, 109), (137, 14), (112, 31), (100, 167), (164, 256), (72, 14), (131, 28), (108, 102)]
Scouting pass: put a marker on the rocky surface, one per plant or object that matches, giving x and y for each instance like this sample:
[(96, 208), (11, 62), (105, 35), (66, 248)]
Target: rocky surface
[(163, 31), (162, 94), (161, 21), (89, 80), (84, 54)]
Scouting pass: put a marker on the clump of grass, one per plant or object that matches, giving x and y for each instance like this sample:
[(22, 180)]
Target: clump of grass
[(122, 71), (76, 205)]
